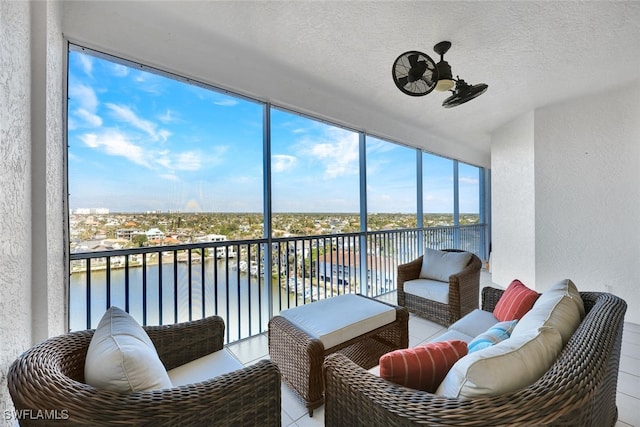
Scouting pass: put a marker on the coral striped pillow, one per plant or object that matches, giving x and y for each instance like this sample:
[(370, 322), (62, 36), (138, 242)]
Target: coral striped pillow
[(422, 367), (514, 303)]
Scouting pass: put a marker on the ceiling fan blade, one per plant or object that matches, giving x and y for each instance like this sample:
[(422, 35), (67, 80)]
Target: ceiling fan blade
[(403, 81), (429, 75), (413, 60)]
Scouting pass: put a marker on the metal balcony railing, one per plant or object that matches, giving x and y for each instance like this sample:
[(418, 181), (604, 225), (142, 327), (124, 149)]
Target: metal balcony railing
[(247, 281)]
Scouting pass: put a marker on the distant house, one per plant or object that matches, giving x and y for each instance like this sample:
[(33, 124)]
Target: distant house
[(211, 238), (164, 241), (127, 233), (342, 268), (155, 233)]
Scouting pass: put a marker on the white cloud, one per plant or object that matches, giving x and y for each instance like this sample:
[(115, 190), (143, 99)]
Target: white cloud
[(168, 117), (127, 115), (87, 104), (89, 118), (468, 180), (116, 143), (86, 62), (147, 83), (185, 161), (339, 153), (189, 160), (227, 102), (375, 145), (283, 162), (84, 96), (169, 177), (120, 70), (163, 158), (164, 134)]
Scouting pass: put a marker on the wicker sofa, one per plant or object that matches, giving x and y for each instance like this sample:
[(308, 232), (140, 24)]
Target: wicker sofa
[(463, 297), (579, 389), (50, 377)]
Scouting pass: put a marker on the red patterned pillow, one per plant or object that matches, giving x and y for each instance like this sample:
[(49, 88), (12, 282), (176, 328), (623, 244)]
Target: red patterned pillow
[(422, 367), (514, 303)]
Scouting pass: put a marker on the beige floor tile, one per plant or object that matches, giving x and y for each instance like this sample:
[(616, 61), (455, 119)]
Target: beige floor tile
[(628, 412), (292, 404), (251, 349), (628, 384), (630, 365)]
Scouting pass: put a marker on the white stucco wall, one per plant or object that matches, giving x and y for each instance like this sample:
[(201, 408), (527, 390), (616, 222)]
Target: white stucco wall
[(32, 270), (15, 176), (587, 155), (584, 195), (513, 202), (48, 198)]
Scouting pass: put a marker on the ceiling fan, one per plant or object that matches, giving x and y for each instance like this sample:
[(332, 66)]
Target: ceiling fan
[(416, 74)]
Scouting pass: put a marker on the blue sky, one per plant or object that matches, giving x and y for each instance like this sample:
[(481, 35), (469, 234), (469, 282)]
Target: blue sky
[(140, 142)]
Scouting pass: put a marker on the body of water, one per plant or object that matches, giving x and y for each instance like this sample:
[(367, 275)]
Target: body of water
[(215, 287)]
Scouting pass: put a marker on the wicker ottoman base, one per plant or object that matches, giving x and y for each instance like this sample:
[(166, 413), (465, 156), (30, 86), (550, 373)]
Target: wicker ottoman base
[(300, 357)]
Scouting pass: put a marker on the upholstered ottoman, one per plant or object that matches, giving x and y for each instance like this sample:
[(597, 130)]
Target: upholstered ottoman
[(360, 327)]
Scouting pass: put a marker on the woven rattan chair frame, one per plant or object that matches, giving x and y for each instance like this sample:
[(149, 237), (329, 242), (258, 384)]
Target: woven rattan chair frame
[(464, 292), (50, 377), (300, 357), (578, 390)]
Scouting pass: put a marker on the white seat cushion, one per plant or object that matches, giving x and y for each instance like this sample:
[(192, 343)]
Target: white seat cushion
[(452, 335), (204, 368), (122, 358), (339, 319), (474, 323), (375, 370), (439, 265), (432, 290)]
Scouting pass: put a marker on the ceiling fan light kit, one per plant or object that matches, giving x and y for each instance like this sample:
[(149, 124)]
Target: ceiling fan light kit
[(417, 74), (445, 77)]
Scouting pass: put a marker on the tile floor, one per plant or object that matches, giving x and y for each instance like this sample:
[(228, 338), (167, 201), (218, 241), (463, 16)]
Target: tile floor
[(294, 413)]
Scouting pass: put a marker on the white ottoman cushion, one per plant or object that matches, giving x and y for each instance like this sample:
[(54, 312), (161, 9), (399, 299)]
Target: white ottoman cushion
[(339, 319)]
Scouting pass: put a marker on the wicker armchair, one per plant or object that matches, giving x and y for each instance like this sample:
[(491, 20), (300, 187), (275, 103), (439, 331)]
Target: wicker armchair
[(50, 375), (464, 292), (578, 390)]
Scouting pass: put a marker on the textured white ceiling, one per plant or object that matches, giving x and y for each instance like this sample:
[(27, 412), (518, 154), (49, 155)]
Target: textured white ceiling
[(334, 58)]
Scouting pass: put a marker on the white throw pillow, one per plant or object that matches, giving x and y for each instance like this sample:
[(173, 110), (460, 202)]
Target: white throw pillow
[(568, 288), (505, 367), (552, 309), (439, 265), (122, 358)]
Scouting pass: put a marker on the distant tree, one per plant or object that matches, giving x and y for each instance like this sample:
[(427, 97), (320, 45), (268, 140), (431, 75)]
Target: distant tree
[(139, 239)]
